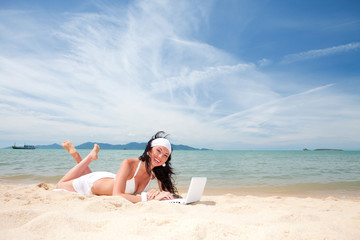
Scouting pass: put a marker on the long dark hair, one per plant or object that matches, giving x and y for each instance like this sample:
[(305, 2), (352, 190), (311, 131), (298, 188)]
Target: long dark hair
[(163, 174)]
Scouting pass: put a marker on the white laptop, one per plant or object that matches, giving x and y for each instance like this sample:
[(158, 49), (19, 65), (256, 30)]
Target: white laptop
[(195, 191)]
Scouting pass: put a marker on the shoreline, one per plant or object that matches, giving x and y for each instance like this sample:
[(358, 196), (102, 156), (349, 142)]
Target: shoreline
[(268, 192), (37, 212), (285, 191), (240, 191)]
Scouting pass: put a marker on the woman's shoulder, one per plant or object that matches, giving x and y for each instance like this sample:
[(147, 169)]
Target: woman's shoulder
[(128, 166), (131, 162)]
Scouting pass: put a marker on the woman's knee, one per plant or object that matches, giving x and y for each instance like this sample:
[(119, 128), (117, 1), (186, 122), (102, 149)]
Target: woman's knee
[(65, 185), (59, 185)]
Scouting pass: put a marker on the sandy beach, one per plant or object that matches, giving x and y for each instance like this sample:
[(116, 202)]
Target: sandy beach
[(37, 212)]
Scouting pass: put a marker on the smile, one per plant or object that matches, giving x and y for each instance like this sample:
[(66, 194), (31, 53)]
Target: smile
[(156, 160)]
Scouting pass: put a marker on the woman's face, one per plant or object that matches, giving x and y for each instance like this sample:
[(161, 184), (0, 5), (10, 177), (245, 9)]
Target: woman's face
[(159, 155)]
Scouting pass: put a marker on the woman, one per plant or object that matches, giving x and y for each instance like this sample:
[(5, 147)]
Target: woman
[(133, 177)]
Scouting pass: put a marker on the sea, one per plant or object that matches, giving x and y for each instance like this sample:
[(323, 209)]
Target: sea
[(295, 173)]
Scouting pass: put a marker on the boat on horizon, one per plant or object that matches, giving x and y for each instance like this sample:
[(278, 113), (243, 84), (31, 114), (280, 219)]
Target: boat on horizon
[(23, 147)]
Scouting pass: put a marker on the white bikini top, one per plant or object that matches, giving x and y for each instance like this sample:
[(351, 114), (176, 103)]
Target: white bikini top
[(130, 184)]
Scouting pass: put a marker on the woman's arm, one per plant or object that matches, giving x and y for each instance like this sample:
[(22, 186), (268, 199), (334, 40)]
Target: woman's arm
[(154, 194), (120, 182), (164, 193), (120, 185)]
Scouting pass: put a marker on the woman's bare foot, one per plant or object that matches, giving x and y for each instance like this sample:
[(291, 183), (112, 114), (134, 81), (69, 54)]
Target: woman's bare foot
[(68, 146), (94, 152)]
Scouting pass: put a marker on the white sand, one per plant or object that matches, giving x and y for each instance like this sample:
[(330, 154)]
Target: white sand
[(32, 212)]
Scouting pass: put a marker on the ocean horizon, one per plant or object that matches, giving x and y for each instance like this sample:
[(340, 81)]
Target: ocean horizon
[(265, 172)]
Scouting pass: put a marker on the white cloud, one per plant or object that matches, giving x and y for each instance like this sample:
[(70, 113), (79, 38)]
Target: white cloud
[(120, 75), (264, 62), (312, 54)]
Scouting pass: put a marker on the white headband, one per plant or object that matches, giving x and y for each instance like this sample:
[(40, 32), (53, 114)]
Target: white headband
[(161, 142)]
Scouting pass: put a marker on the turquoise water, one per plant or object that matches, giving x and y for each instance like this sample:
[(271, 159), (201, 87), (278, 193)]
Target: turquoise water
[(297, 172)]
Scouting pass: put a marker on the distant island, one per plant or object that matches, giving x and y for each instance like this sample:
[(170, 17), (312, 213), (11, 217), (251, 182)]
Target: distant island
[(128, 146), (328, 149), (323, 149)]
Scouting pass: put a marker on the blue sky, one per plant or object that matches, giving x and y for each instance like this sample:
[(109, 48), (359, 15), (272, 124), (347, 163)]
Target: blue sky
[(214, 74)]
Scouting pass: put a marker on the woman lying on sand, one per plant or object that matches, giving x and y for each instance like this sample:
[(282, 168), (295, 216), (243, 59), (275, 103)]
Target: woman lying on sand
[(133, 177)]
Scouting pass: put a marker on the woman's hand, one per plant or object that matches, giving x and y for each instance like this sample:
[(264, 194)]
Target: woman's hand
[(152, 194), (164, 196)]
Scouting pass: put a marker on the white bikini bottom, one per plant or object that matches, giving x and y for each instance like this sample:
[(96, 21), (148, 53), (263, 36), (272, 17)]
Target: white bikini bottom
[(83, 184)]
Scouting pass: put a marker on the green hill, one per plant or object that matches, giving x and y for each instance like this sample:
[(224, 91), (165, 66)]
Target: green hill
[(104, 146)]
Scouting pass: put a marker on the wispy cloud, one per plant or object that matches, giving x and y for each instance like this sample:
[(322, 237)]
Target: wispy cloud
[(313, 115), (318, 53), (269, 104), (120, 75)]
